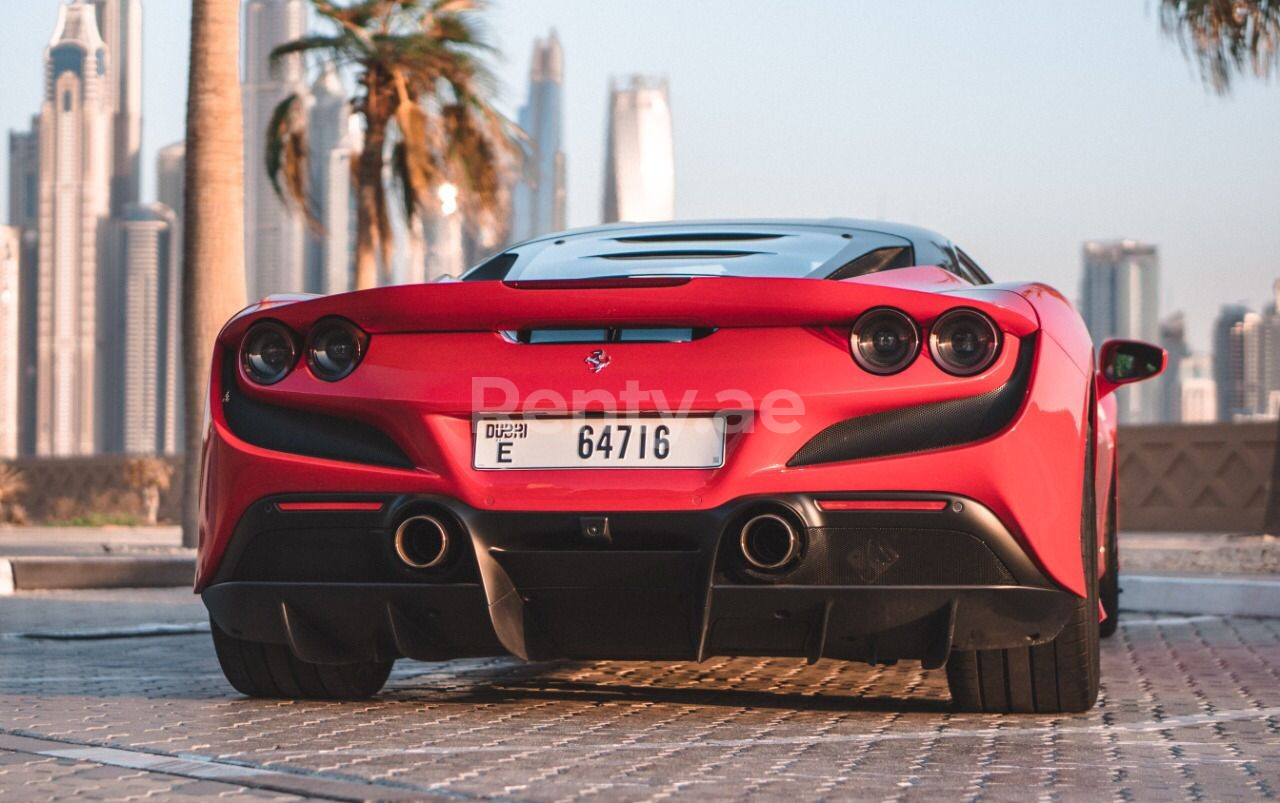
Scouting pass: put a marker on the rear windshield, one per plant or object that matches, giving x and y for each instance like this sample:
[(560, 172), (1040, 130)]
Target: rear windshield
[(790, 253)]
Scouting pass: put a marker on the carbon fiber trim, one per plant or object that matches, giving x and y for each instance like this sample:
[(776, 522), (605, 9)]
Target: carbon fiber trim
[(925, 426), (306, 433)]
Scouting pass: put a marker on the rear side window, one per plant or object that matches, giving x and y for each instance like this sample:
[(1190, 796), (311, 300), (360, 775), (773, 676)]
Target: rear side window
[(970, 270), (494, 270)]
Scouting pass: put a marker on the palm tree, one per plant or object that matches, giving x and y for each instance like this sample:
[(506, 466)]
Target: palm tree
[(213, 285), (1225, 37), (420, 64)]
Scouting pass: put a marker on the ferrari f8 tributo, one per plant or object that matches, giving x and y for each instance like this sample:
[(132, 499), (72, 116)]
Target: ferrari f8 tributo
[(831, 439)]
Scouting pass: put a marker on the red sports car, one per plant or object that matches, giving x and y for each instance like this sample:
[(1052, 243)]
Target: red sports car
[(830, 439)]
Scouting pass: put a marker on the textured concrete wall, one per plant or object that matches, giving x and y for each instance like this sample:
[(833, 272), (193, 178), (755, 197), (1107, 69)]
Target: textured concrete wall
[(65, 488), (1200, 478)]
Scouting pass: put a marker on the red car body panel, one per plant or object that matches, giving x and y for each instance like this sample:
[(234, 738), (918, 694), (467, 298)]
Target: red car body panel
[(427, 344)]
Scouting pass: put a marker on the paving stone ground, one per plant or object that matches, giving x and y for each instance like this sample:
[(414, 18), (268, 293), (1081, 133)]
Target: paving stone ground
[(1190, 710)]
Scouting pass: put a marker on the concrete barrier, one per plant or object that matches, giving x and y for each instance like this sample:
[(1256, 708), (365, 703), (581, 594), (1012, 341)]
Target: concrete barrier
[(1209, 478)]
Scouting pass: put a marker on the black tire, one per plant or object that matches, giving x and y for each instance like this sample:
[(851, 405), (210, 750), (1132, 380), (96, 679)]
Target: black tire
[(1054, 678), (1109, 585), (272, 670)]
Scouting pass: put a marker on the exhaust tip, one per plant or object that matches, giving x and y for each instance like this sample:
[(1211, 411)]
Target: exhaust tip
[(422, 542), (769, 541)]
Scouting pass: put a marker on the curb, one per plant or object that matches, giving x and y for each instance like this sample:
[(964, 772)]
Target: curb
[(98, 571), (1224, 596)]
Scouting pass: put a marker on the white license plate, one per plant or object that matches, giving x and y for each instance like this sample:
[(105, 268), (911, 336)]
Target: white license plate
[(611, 442)]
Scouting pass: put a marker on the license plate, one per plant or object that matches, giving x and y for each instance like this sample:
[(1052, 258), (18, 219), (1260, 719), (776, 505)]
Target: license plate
[(612, 442)]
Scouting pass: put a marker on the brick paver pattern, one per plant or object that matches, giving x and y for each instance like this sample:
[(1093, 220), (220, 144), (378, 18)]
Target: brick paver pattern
[(1190, 710)]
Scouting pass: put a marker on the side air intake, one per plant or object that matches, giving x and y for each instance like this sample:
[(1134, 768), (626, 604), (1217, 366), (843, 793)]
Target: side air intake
[(924, 426)]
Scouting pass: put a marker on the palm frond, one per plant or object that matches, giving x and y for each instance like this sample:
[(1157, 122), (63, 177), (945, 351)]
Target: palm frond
[(334, 46), (287, 156), (1225, 38)]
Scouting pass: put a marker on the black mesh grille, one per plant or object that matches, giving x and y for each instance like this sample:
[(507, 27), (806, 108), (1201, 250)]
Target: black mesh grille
[(924, 426), (870, 556)]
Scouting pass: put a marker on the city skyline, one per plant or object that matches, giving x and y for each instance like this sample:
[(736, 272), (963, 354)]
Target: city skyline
[(1040, 104)]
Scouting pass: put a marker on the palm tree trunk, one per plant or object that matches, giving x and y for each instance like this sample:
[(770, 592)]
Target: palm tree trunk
[(213, 282), (368, 187)]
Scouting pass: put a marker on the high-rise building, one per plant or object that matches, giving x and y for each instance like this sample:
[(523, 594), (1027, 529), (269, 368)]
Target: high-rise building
[(1198, 402), (275, 237), (1120, 297), (538, 198), (75, 172), (120, 23), (330, 255), (1173, 337), (24, 214), (10, 356), (1238, 362), (171, 167), (639, 173), (148, 367), (1269, 373)]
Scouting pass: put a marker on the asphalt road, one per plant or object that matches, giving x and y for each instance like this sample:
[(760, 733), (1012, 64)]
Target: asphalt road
[(102, 704)]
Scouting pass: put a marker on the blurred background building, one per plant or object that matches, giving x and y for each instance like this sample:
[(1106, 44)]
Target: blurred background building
[(75, 192), (330, 248), (1120, 295), (120, 25), (639, 164), (10, 356), (538, 198), (150, 323), (274, 236), (1246, 359)]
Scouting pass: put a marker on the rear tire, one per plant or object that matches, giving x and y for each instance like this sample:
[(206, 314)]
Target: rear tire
[(1054, 678), (272, 670), (1109, 585)]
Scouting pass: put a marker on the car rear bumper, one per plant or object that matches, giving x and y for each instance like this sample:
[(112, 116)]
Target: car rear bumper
[(873, 583)]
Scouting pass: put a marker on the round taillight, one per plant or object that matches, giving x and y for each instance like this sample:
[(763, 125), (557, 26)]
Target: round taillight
[(884, 341), (268, 352), (964, 342), (334, 348)]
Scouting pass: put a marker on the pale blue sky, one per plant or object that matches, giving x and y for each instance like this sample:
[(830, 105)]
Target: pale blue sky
[(1018, 128)]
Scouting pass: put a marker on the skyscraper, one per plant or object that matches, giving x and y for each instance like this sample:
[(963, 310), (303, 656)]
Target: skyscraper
[(1270, 368), (330, 256), (538, 198), (24, 213), (639, 176), (171, 166), (120, 23), (1237, 363), (148, 367), (274, 235), (1120, 297), (75, 170), (1173, 337), (10, 356), (1199, 393)]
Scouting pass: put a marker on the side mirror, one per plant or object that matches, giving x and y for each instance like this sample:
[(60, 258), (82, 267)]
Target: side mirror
[(1122, 362)]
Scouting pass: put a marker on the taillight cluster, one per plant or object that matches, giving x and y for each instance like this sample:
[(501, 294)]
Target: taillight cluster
[(333, 349), (962, 341)]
